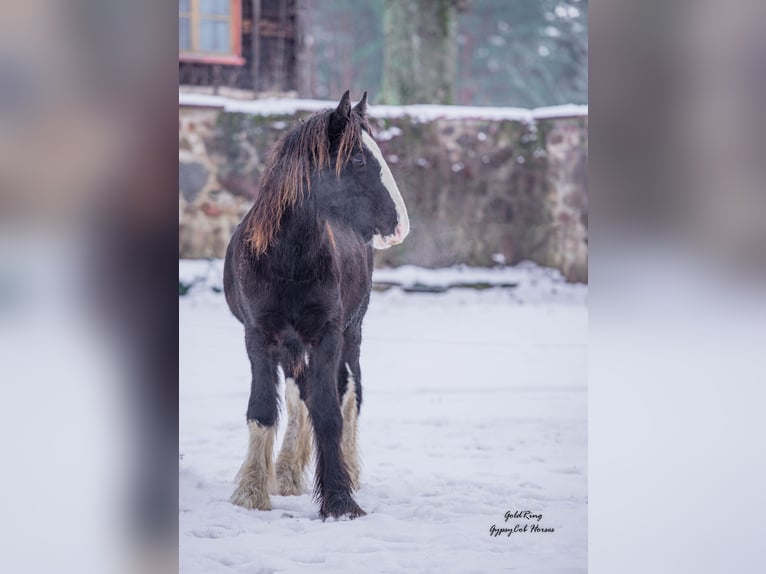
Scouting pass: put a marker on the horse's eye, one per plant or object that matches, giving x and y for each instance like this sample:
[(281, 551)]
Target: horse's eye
[(358, 159)]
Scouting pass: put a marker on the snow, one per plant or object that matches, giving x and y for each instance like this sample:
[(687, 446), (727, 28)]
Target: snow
[(474, 405), (419, 112), (387, 134), (530, 282)]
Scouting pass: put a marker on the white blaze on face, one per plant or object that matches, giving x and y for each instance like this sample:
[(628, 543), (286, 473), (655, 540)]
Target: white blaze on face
[(387, 178)]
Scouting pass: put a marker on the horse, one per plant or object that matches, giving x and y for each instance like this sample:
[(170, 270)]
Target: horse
[(298, 275)]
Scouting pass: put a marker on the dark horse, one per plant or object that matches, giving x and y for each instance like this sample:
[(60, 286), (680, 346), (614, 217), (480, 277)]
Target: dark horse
[(298, 274)]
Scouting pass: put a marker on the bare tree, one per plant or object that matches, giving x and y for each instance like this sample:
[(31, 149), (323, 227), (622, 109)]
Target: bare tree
[(420, 50)]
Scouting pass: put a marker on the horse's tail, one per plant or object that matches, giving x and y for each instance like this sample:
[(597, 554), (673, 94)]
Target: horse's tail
[(293, 354)]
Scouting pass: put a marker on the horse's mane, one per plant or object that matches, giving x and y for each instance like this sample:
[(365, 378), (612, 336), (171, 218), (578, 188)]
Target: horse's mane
[(286, 176)]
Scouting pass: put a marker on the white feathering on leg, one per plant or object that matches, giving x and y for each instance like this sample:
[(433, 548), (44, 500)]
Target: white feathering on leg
[(257, 471), (297, 445), (349, 437)]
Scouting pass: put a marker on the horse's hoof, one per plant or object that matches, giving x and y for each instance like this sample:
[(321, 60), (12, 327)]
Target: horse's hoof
[(289, 484), (340, 508), (250, 498)]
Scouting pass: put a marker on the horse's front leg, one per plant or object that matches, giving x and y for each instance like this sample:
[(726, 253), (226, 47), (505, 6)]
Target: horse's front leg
[(256, 477), (333, 483)]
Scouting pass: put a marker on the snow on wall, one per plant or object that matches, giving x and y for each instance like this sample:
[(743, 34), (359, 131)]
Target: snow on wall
[(421, 112)]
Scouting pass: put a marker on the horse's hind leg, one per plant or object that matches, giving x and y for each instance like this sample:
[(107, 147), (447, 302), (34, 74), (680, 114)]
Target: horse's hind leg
[(349, 438), (296, 448), (256, 477), (350, 389)]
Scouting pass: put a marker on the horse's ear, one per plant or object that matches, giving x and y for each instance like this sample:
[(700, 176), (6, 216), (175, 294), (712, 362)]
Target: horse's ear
[(340, 116), (361, 106), (344, 107)]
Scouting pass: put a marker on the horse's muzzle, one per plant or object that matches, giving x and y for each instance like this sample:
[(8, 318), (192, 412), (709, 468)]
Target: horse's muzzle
[(379, 242)]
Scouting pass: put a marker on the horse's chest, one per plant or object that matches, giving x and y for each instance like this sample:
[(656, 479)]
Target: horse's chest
[(305, 310)]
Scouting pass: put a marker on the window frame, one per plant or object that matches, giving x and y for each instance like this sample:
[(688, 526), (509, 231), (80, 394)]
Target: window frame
[(234, 58)]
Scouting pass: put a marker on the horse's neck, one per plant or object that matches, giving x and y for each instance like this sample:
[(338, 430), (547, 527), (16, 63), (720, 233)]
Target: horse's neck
[(299, 244)]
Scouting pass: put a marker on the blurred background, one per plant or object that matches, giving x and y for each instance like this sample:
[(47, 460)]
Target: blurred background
[(484, 185), (486, 52)]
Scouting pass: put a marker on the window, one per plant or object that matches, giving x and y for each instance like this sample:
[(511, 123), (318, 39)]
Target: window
[(209, 31)]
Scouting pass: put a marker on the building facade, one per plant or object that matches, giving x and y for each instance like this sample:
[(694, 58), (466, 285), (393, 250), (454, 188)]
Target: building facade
[(248, 45)]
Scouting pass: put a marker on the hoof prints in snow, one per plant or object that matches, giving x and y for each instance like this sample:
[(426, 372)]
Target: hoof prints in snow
[(219, 532)]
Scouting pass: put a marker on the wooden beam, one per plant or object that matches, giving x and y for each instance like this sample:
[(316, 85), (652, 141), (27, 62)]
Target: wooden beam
[(256, 45)]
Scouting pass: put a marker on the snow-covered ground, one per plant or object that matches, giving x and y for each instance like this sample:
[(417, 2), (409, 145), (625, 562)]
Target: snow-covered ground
[(474, 405)]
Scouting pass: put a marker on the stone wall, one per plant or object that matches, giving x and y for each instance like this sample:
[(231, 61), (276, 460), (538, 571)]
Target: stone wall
[(475, 189)]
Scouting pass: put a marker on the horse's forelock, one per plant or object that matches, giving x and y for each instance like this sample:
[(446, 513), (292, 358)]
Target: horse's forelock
[(287, 173)]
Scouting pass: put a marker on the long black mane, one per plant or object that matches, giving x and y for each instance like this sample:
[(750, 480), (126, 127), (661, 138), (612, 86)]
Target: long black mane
[(287, 174)]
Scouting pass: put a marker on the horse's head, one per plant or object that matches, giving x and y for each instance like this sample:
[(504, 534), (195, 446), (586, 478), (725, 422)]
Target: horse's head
[(361, 191)]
